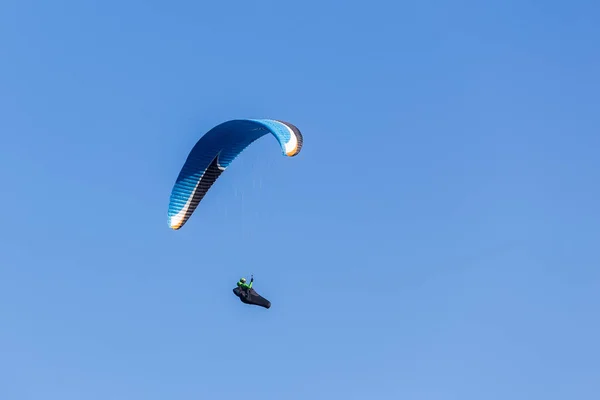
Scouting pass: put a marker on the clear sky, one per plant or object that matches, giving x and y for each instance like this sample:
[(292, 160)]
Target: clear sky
[(437, 238)]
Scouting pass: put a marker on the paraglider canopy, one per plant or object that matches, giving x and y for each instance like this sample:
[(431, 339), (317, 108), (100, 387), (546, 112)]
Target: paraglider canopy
[(214, 152)]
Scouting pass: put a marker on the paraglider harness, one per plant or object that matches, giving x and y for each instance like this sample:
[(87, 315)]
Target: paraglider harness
[(248, 295)]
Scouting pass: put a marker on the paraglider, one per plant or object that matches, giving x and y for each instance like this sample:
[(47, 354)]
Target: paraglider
[(248, 295), (214, 152), (210, 157)]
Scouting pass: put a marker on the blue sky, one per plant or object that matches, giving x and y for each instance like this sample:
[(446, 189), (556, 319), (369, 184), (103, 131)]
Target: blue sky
[(436, 239)]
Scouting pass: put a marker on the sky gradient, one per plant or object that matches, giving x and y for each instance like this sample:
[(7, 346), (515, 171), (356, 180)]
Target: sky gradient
[(436, 238)]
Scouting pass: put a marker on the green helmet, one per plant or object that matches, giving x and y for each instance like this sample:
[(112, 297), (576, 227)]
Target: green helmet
[(243, 280)]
